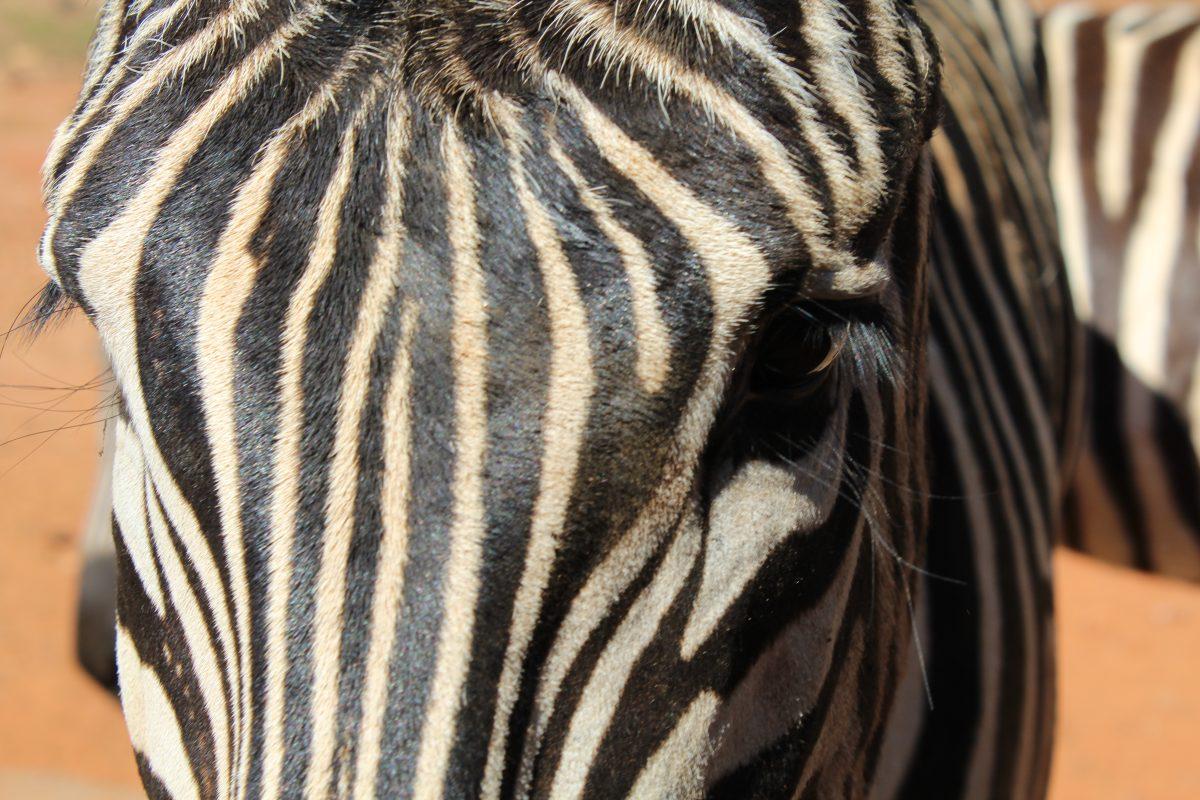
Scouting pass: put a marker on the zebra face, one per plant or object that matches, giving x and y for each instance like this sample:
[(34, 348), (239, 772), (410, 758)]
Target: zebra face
[(517, 398)]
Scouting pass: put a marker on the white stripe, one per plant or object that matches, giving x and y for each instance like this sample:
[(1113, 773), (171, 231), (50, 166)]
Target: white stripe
[(1155, 242), (1118, 107), (827, 29), (651, 336), (569, 395), (460, 596), (894, 34), (850, 194), (677, 768), (605, 686), (786, 680), (392, 560), (394, 496), (230, 281), (150, 719), (338, 530), (129, 508), (762, 506), (201, 650)]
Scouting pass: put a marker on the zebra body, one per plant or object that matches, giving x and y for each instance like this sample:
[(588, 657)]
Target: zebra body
[(531, 399), (1124, 92), (1005, 389)]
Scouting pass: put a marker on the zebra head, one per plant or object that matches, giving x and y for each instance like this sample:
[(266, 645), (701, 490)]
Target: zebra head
[(518, 398)]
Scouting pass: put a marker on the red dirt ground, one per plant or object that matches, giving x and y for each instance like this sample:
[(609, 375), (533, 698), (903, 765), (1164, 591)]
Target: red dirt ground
[(1129, 721)]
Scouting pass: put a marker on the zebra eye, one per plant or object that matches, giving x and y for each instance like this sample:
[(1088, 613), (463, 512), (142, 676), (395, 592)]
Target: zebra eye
[(781, 391), (794, 357)]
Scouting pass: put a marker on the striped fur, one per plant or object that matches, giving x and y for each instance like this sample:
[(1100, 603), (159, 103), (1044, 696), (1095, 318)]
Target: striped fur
[(1005, 383), (471, 444), (518, 398), (1125, 116)]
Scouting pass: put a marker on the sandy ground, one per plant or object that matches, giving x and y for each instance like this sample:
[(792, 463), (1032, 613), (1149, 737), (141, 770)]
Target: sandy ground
[(52, 718), (1129, 722)]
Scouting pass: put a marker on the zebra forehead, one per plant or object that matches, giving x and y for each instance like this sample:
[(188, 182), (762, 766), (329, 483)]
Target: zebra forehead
[(808, 134)]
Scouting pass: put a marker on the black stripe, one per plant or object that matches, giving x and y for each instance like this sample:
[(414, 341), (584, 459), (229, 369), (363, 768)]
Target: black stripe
[(426, 278), (519, 357), (283, 242)]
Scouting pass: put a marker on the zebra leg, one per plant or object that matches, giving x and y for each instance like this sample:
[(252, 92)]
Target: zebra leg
[(95, 636), (1124, 97)]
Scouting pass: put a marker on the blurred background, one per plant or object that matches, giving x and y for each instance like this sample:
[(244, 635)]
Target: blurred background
[(1129, 657)]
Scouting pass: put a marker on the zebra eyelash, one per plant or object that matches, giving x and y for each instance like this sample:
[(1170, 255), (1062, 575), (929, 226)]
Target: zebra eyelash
[(800, 356), (815, 342), (49, 307)]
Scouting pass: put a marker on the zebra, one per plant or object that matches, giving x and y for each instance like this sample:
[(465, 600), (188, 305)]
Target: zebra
[(721, 495), (1124, 95)]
